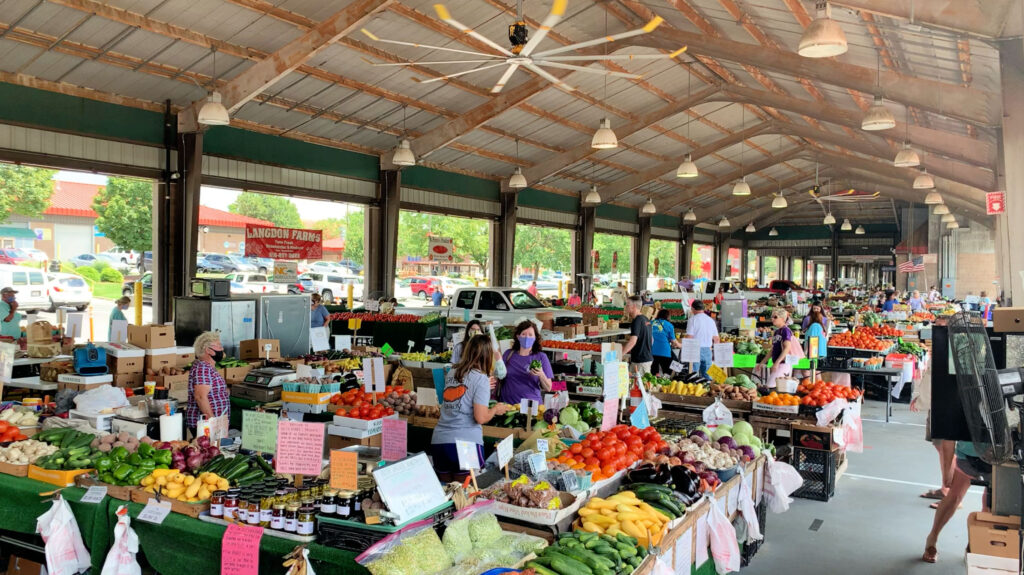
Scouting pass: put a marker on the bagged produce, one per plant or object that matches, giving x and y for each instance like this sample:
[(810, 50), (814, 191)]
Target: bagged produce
[(414, 550)]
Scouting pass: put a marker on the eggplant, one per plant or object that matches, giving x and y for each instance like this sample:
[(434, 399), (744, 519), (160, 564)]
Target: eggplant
[(645, 473), (663, 475), (685, 481)]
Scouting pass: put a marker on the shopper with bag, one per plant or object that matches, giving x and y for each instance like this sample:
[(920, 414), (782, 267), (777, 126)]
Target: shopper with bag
[(702, 328), (528, 371), (784, 345), (207, 390)]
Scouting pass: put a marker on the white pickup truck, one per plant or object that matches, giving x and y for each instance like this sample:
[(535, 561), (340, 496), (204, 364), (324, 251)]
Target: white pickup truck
[(257, 283), (506, 305)]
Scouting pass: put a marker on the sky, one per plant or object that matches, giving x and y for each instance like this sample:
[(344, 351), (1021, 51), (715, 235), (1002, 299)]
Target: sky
[(221, 198)]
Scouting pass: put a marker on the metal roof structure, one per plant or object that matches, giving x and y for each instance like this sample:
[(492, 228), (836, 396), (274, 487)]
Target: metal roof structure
[(739, 99)]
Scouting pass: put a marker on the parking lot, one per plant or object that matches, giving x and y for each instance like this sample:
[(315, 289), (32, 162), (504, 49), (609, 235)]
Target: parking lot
[(101, 309)]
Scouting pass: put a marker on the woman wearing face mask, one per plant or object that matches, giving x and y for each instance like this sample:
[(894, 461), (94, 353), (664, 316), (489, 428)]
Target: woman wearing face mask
[(522, 381), (472, 328), (207, 391), (120, 306), (784, 344)]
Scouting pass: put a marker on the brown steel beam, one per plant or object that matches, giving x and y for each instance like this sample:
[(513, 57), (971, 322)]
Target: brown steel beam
[(711, 186)]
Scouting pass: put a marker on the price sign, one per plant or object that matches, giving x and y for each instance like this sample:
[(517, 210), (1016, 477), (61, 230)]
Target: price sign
[(717, 374), (373, 375), (409, 487), (528, 407), (542, 445), (504, 451), (538, 464), (259, 431), (387, 350), (609, 413), (611, 379), (426, 396), (345, 470), (639, 417), (119, 331), (570, 481), (722, 353), (240, 550), (343, 342), (468, 455), (372, 306), (748, 324), (394, 439), (155, 512), (690, 352), (676, 367), (300, 447), (354, 324), (319, 339), (94, 494)]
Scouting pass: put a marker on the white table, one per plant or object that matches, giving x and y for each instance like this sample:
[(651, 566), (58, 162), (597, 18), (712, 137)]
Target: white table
[(609, 333), (32, 383)]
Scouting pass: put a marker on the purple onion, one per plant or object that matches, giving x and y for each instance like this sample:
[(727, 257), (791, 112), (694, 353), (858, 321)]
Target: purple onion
[(699, 434), (688, 457), (748, 452), (728, 442), (710, 476)]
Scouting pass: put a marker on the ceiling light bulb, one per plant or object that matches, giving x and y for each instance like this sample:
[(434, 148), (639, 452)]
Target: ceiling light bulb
[(953, 225), (518, 180), (592, 196), (773, 232), (907, 157), (213, 112), (847, 226), (878, 117), (750, 228), (933, 198), (724, 222), (779, 202), (946, 218), (403, 154), (830, 220), (604, 138), (859, 231), (649, 207), (690, 216), (824, 38), (741, 188), (687, 169), (941, 210), (924, 181)]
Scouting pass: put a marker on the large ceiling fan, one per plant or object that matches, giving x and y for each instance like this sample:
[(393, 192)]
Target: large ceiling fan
[(522, 50), (845, 196)]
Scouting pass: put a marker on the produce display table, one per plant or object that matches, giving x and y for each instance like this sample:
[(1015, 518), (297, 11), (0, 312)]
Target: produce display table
[(32, 383), (889, 374)]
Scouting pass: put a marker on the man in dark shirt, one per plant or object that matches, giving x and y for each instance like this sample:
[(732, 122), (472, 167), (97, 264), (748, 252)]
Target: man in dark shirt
[(640, 338)]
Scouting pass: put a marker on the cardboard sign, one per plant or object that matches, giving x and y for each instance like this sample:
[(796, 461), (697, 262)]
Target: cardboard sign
[(394, 439), (240, 550), (639, 417), (373, 375), (609, 413), (345, 470), (300, 447), (283, 243), (73, 328), (409, 487), (155, 511), (717, 374), (119, 331), (690, 352), (468, 456), (286, 272), (319, 339), (259, 431), (426, 396), (722, 354), (505, 451)]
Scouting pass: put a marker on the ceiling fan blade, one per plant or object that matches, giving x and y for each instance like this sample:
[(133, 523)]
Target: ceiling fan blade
[(614, 57), (446, 17), (425, 63), (373, 37), (585, 69), (557, 11), (480, 69), (500, 84), (649, 27), (549, 77)]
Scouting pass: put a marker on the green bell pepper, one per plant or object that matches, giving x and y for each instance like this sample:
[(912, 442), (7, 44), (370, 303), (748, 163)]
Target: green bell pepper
[(119, 453), (134, 459), (145, 450), (107, 478), (104, 463), (136, 476), (162, 456), (147, 465), (163, 466), (122, 471)]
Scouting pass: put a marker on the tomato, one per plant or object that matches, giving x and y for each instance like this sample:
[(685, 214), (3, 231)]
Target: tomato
[(587, 452), (575, 448), (609, 469)]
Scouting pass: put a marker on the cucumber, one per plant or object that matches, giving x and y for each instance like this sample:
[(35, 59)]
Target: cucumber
[(586, 536), (567, 565), (540, 569), (668, 513), (668, 503), (594, 542), (606, 550), (626, 550), (635, 561), (592, 560), (641, 552), (623, 538)]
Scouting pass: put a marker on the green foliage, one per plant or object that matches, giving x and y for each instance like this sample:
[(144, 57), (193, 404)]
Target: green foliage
[(99, 265), (607, 245), (125, 208), (111, 275), (67, 268), (351, 227), (470, 236), (665, 252), (24, 190), (549, 248), (276, 209), (89, 273)]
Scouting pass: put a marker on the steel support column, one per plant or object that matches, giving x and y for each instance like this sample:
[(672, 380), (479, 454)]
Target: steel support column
[(168, 227), (381, 230), (584, 260), (186, 222), (686, 250), (643, 256), (503, 243), (834, 260), (1009, 232)]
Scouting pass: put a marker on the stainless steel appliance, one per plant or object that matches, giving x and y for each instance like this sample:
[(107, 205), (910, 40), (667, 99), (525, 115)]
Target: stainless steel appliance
[(268, 376), (210, 288), (256, 392), (286, 319), (234, 318), (732, 311)]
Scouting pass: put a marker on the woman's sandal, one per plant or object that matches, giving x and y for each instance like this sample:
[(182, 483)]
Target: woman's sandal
[(933, 494), (931, 554)]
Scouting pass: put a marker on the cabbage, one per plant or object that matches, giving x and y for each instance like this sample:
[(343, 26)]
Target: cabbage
[(569, 416), (728, 442), (720, 433), (741, 438), (742, 428), (580, 426)]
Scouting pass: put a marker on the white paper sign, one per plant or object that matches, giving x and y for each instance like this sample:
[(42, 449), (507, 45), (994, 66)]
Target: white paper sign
[(468, 457), (505, 451), (703, 542), (155, 512), (690, 352), (409, 487), (684, 553), (426, 396), (94, 494), (319, 339), (676, 367), (792, 360), (528, 407), (73, 328), (542, 445), (343, 342), (119, 331), (457, 337), (722, 354), (373, 375), (7, 351), (372, 306)]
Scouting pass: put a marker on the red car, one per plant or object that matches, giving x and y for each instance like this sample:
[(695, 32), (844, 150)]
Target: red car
[(13, 256), (424, 287)]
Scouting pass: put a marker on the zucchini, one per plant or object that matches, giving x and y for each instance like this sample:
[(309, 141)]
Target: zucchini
[(540, 569), (567, 566)]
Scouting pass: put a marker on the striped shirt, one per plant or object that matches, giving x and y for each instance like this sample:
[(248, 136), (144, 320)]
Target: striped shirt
[(202, 373)]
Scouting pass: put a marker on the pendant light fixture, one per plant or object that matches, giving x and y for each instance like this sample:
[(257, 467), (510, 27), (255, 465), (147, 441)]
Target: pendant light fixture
[(924, 181), (830, 220), (953, 225), (518, 180), (878, 117), (859, 231), (933, 198), (847, 226), (773, 232), (742, 188), (604, 138), (649, 207), (941, 210), (824, 38), (724, 222), (946, 218), (687, 169), (213, 112), (690, 216), (592, 196), (403, 155), (750, 228), (907, 157)]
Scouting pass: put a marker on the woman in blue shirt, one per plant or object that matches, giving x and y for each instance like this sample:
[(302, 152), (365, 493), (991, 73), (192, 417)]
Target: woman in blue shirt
[(664, 340), (890, 301), (318, 314), (816, 328)]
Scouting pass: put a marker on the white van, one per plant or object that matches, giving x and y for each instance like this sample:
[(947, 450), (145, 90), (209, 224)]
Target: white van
[(31, 285)]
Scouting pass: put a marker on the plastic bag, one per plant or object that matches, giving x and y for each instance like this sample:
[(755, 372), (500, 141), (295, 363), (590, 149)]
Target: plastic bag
[(457, 540), (414, 550), (724, 548), (746, 508), (831, 411), (853, 429), (103, 397), (65, 551), (780, 480), (121, 558), (717, 414)]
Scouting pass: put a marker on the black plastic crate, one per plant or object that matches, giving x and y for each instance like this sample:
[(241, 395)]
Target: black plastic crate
[(818, 469), (751, 549), (333, 533)]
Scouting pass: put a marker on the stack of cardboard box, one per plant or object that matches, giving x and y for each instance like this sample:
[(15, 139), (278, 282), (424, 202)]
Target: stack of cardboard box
[(160, 352), (126, 363)]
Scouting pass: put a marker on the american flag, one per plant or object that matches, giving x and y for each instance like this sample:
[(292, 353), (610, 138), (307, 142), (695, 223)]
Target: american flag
[(911, 266)]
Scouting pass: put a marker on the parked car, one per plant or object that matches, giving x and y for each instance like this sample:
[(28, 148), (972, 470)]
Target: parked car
[(402, 288), (506, 305), (238, 288), (304, 285), (779, 287), (263, 265), (205, 266), (356, 268), (255, 283), (424, 287), (30, 284), (68, 290), (12, 256), (328, 268), (36, 255), (123, 255), (230, 263), (330, 285), (83, 260), (128, 289), (114, 262), (146, 262)]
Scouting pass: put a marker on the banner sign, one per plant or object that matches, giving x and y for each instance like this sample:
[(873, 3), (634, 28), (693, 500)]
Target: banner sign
[(440, 249), (995, 203), (283, 243)]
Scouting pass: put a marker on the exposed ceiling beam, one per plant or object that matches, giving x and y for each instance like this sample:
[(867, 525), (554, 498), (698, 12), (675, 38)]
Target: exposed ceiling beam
[(968, 104), (709, 214), (697, 191), (265, 73), (870, 180), (986, 18)]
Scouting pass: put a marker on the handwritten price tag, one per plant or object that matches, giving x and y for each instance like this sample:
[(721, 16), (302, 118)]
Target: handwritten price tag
[(94, 494), (542, 445), (155, 512), (676, 367), (609, 413), (240, 550), (344, 470), (300, 447), (394, 439), (259, 431), (504, 451)]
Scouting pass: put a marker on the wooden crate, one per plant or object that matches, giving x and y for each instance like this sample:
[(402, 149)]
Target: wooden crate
[(190, 509), (122, 492)]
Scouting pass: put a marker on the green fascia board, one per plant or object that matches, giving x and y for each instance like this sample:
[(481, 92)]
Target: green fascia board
[(17, 233), (72, 114), (540, 199), (620, 213), (664, 221), (281, 151), (452, 183)]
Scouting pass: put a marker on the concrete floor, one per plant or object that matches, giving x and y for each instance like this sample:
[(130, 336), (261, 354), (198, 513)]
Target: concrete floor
[(876, 523)]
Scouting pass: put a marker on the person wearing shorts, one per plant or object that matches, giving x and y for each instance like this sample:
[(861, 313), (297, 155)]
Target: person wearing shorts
[(969, 467)]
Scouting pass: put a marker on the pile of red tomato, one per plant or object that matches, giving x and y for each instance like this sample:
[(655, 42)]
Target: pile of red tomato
[(605, 453), (573, 345), (357, 397), (10, 432), (821, 393), (372, 317), (881, 331), (366, 411)]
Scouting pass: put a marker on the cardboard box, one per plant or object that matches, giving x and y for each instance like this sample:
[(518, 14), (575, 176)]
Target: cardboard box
[(57, 477), (15, 470), (39, 331), (579, 329), (814, 437), (50, 370), (237, 374), (1008, 319), (129, 380), (40, 350), (988, 565), (306, 398), (186, 355), (994, 535), (20, 566), (157, 358), (570, 505), (122, 492), (191, 509), (151, 336), (567, 331), (173, 383), (253, 349)]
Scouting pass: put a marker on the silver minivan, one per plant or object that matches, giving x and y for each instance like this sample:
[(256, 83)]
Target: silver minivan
[(31, 285)]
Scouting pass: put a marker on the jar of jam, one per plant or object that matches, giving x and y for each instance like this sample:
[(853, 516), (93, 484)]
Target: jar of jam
[(277, 517), (343, 504), (242, 513), (266, 509), (230, 506), (217, 503), (357, 504), (252, 516), (291, 518), (306, 524), (329, 502)]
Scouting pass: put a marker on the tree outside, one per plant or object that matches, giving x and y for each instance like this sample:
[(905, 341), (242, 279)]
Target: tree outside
[(471, 237), (24, 190), (607, 245), (547, 248), (351, 227), (125, 208), (276, 209), (665, 252)]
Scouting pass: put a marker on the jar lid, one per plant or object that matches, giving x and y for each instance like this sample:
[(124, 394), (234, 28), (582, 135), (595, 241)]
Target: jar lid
[(278, 506), (331, 492), (219, 493), (292, 507)]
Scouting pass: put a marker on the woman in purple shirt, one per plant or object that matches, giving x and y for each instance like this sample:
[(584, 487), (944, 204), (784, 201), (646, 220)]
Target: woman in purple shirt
[(522, 382)]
